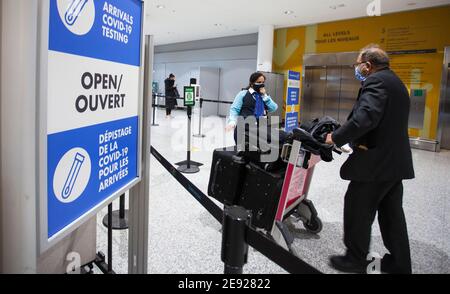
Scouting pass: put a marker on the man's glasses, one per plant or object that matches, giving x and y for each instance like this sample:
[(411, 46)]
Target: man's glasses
[(358, 63)]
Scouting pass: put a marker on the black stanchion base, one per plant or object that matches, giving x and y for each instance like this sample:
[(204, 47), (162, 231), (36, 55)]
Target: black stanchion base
[(198, 136), (232, 270), (193, 163), (101, 263), (154, 125), (188, 170), (117, 222)]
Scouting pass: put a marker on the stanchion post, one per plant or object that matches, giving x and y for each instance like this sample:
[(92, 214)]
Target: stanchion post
[(119, 217), (234, 245), (189, 115), (188, 166), (200, 117), (154, 105), (110, 207), (122, 206)]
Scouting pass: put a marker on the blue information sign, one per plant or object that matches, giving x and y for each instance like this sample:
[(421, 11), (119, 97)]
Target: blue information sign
[(94, 59), (292, 100)]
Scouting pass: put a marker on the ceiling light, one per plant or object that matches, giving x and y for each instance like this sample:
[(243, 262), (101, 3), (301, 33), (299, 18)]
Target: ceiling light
[(160, 6), (287, 12), (334, 7)]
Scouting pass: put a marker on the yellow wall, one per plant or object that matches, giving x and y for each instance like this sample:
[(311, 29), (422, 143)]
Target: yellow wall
[(414, 30)]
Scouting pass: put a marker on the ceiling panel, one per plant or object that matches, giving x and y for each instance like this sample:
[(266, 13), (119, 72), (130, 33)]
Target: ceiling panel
[(173, 21)]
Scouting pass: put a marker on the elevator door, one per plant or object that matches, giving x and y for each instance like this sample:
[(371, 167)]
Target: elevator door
[(328, 91), (313, 102), (333, 89), (349, 92), (445, 139)]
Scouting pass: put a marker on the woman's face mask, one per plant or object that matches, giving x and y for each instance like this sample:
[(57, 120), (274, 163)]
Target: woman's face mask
[(258, 86)]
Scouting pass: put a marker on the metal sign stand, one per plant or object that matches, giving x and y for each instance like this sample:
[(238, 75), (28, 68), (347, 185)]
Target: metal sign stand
[(106, 267), (139, 194), (188, 166)]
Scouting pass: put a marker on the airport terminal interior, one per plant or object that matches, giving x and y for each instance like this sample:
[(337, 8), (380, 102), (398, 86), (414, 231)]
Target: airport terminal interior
[(125, 106)]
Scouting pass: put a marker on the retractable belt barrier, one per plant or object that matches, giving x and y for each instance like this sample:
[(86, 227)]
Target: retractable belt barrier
[(201, 99), (216, 101), (204, 200), (200, 117), (257, 240)]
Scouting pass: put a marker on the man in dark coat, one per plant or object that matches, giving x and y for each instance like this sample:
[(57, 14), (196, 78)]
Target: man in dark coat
[(377, 131), (171, 94)]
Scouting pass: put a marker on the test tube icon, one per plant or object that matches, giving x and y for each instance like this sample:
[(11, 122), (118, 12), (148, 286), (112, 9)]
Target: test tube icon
[(74, 10), (73, 175)]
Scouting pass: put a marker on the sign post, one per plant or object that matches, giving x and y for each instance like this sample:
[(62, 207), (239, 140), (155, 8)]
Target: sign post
[(91, 110), (188, 166), (292, 101)]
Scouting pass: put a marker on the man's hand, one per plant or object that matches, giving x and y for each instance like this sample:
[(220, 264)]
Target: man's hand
[(329, 139), (229, 128)]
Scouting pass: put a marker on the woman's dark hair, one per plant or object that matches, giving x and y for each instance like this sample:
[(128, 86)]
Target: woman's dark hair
[(171, 75), (254, 77)]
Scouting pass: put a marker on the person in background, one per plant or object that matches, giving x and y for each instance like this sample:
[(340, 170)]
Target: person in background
[(377, 130), (171, 93), (251, 101)]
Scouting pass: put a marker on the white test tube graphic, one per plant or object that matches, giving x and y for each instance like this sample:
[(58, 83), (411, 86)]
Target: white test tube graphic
[(74, 10), (72, 176)]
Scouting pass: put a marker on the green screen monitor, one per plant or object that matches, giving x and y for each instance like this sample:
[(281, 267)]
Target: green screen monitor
[(189, 96)]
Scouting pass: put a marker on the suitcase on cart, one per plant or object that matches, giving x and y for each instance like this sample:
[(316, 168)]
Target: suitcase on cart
[(260, 194), (227, 175), (236, 181)]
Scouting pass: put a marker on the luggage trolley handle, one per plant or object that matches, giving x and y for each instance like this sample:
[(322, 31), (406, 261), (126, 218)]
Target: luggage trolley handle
[(286, 153)]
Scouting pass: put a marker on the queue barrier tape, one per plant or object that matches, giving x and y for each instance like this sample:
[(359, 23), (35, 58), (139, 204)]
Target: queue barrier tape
[(202, 99), (257, 240)]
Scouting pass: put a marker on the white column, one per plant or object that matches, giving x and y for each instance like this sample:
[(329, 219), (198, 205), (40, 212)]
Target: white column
[(265, 48), (18, 144)]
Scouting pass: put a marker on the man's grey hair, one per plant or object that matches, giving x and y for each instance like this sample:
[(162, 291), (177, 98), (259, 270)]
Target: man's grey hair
[(375, 55)]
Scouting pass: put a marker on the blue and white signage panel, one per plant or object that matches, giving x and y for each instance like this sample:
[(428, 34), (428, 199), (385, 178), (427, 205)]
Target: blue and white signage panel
[(94, 54), (293, 75), (293, 95), (292, 100), (293, 88), (291, 121)]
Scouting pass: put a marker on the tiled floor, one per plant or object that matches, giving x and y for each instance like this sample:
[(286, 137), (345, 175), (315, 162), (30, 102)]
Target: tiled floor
[(184, 238)]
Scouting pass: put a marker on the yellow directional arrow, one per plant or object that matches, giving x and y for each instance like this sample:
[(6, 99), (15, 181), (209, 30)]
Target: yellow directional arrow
[(282, 52)]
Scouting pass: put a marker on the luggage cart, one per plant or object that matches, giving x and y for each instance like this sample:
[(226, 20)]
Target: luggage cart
[(273, 193), (294, 201)]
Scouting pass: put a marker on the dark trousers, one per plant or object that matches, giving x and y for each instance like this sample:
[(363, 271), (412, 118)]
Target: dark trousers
[(362, 202), (168, 110)]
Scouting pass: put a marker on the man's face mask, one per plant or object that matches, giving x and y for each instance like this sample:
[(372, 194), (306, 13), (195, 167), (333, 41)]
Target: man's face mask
[(258, 86), (358, 74)]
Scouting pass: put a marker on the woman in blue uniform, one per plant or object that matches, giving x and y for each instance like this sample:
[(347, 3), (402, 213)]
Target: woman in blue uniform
[(251, 101)]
